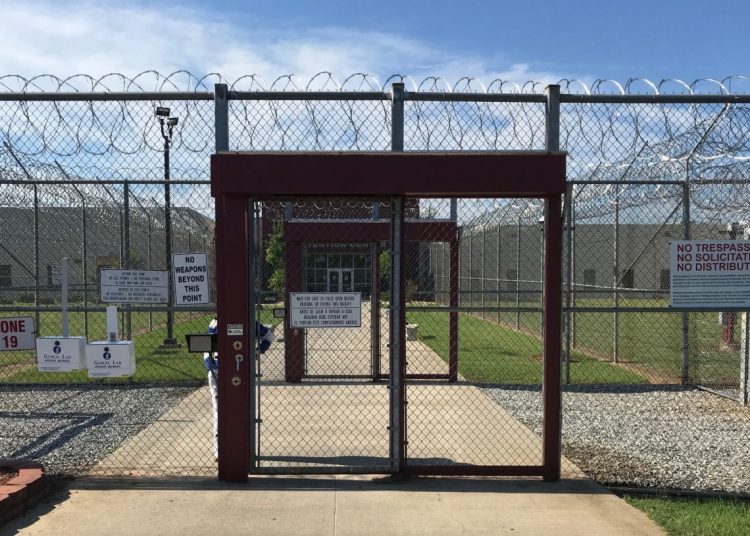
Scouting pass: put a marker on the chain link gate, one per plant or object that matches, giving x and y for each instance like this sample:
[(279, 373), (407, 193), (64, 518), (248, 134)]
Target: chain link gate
[(321, 392)]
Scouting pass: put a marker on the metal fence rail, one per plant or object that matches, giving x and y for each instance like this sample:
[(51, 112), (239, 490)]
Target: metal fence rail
[(83, 175)]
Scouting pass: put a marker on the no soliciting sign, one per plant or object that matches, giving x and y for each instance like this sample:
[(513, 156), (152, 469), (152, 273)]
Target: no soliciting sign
[(710, 273)]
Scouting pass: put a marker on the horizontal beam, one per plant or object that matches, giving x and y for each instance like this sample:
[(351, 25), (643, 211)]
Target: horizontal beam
[(378, 174), (360, 231)]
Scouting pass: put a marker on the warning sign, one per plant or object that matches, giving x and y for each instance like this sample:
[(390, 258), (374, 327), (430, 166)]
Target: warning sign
[(710, 273), (326, 310), (17, 333), (190, 278), (134, 286)]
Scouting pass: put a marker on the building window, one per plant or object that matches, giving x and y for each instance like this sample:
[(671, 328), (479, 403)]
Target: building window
[(628, 279), (5, 278), (589, 277), (664, 280), (511, 279)]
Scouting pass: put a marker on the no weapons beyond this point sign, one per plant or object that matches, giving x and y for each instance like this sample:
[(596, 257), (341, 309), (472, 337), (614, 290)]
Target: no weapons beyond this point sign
[(190, 278)]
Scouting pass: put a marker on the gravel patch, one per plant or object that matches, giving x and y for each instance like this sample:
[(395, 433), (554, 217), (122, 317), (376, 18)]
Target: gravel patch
[(70, 428), (647, 437)]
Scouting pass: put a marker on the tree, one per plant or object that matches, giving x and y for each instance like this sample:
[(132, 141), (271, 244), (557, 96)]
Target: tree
[(275, 259)]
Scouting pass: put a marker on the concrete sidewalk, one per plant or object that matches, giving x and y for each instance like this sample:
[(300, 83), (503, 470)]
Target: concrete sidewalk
[(333, 505)]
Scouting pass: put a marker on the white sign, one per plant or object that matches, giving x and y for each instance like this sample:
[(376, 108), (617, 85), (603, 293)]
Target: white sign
[(60, 354), (190, 278), (106, 359), (326, 310), (134, 286), (709, 273), (17, 333)]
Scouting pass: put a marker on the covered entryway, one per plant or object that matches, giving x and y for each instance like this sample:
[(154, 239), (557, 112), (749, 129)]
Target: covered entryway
[(275, 419)]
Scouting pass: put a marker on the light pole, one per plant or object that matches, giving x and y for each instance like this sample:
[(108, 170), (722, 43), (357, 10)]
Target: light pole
[(167, 125)]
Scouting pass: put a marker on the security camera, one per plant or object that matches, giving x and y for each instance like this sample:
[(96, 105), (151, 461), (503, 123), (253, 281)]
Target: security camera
[(172, 121), (162, 111)]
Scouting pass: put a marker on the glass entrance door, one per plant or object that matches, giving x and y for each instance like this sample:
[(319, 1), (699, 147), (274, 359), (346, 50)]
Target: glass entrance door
[(340, 280)]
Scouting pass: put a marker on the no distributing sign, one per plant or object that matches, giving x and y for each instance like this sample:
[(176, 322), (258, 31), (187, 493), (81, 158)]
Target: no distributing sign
[(190, 278), (710, 273)]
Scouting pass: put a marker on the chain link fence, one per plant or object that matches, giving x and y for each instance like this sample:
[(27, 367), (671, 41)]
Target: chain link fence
[(649, 392)]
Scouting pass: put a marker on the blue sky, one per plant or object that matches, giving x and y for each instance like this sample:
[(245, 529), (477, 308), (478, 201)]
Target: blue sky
[(518, 41)]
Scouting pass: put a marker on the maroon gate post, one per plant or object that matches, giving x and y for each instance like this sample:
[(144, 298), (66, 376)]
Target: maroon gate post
[(232, 302), (552, 340), (294, 339)]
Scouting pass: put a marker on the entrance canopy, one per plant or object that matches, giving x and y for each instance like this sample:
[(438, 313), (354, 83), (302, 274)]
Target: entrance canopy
[(239, 180)]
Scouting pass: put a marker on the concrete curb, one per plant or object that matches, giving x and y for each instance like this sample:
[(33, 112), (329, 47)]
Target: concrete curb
[(23, 490)]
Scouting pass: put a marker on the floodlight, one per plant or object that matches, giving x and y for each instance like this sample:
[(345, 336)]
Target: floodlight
[(172, 121), (162, 111)]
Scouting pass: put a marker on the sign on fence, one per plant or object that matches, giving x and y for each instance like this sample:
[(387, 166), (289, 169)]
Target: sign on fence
[(709, 273), (326, 310), (190, 278), (134, 286), (17, 333)]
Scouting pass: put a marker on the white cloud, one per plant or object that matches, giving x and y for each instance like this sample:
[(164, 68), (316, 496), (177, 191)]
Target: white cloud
[(66, 38)]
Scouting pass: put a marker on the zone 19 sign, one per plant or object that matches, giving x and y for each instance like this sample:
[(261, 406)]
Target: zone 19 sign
[(17, 333)]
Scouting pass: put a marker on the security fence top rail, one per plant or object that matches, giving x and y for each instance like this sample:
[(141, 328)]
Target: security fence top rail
[(420, 96)]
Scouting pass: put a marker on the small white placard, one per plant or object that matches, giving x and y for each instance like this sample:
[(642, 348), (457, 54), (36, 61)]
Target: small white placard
[(190, 278), (235, 329), (17, 333), (326, 309), (709, 273), (106, 359), (60, 354), (56, 275), (134, 286)]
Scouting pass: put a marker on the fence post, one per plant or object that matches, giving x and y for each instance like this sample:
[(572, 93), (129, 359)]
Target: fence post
[(569, 275), (126, 238), (397, 343), (551, 300), (36, 259), (616, 279), (518, 276), (685, 367)]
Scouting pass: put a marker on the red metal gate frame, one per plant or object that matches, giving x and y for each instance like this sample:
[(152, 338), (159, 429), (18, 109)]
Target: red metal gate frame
[(237, 177)]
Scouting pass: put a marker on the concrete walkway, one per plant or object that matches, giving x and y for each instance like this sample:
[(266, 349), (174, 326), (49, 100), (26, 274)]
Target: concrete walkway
[(340, 506)]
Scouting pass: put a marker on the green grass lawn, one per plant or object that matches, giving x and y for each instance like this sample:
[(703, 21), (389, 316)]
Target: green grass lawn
[(490, 353), (153, 363), (653, 340), (696, 516)]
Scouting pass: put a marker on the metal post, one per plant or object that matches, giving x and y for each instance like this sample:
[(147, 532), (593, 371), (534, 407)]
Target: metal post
[(397, 333), (551, 395), (569, 276), (170, 340), (685, 367), (497, 260), (64, 280), (518, 277), (616, 278), (126, 231), (482, 272), (397, 117), (471, 269), (36, 258), (253, 357), (221, 117)]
